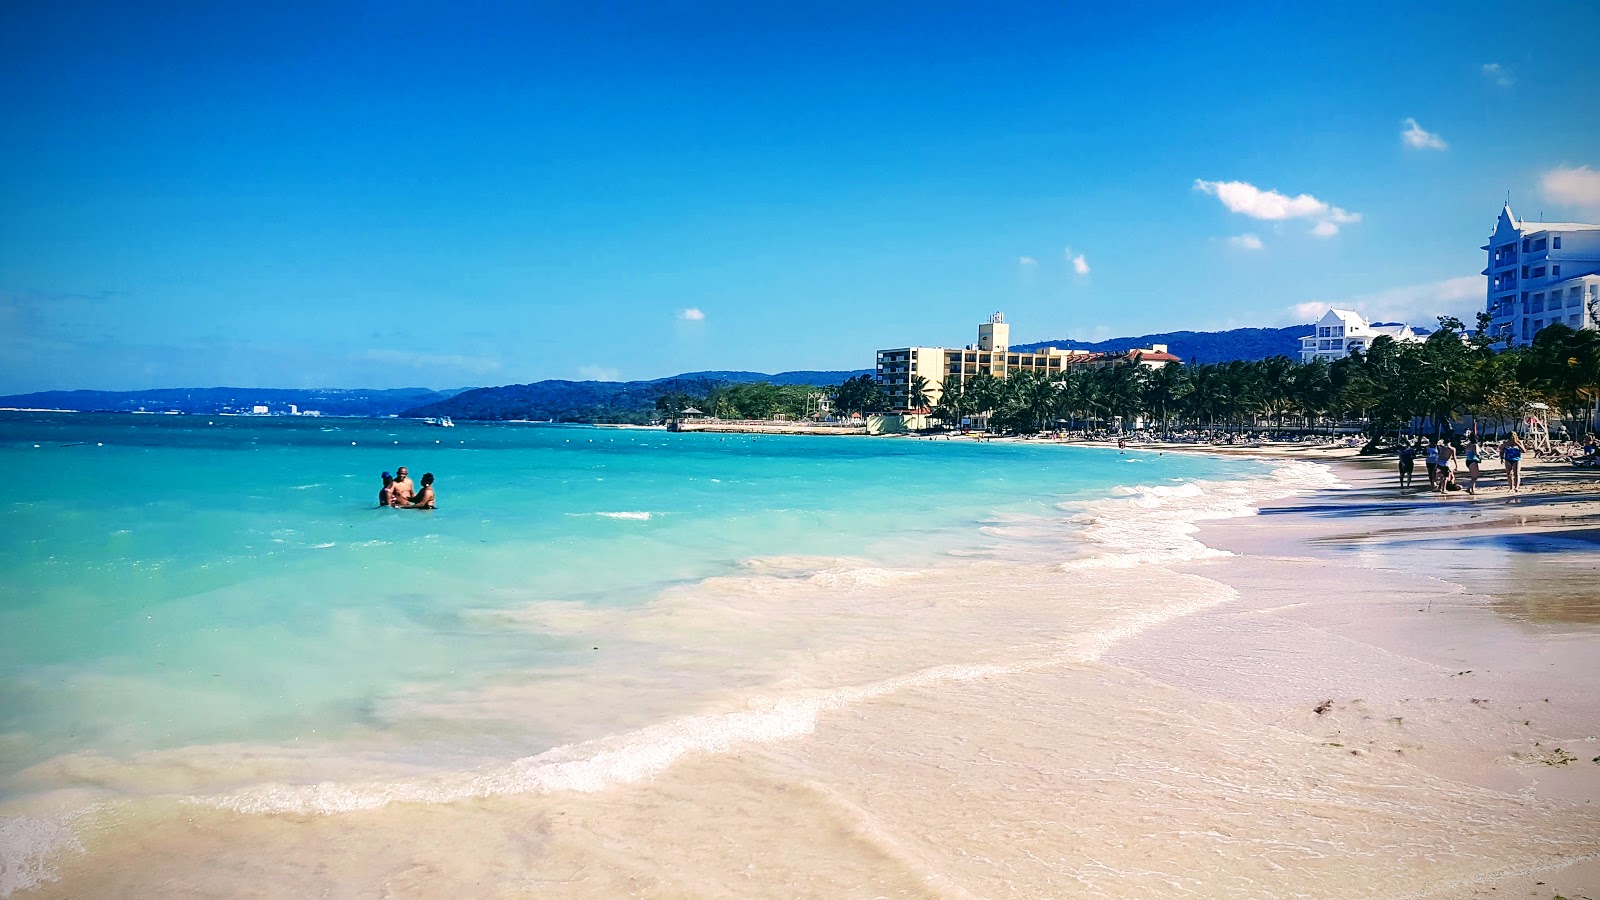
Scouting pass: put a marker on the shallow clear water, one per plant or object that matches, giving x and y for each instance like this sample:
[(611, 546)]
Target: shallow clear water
[(175, 581), (622, 663)]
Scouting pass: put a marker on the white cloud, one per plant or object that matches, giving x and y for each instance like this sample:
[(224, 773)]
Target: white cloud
[(1242, 197), (1027, 261), (1498, 74), (1417, 138), (1079, 264), (692, 314), (1247, 199), (1245, 242), (1416, 304), (599, 373), (1578, 187)]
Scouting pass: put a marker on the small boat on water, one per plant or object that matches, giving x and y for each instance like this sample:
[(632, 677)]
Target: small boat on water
[(440, 422)]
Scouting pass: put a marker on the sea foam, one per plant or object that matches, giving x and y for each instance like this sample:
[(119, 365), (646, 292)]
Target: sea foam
[(27, 847), (1139, 525)]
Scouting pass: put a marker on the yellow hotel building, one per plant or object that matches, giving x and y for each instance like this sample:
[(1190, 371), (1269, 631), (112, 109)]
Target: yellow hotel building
[(991, 354)]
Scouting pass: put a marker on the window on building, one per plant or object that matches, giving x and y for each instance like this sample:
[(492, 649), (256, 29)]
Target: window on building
[(1525, 246), (1555, 271), (1538, 324), (1539, 272), (1574, 296), (1524, 271), (1575, 320), (1538, 245)]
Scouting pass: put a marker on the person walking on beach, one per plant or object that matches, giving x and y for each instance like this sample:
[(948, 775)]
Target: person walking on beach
[(1511, 455), (1408, 462), (1473, 459), (1447, 466), (1433, 465)]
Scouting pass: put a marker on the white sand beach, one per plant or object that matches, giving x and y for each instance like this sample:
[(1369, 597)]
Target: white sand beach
[(1327, 702)]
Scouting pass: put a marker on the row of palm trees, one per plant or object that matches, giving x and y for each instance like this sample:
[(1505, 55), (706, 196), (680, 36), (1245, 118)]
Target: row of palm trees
[(1447, 383)]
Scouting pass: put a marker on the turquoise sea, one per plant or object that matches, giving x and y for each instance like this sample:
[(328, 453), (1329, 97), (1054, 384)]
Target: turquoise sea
[(211, 588)]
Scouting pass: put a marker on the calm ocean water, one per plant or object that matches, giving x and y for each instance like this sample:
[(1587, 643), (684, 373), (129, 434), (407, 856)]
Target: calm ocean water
[(173, 580), (203, 588)]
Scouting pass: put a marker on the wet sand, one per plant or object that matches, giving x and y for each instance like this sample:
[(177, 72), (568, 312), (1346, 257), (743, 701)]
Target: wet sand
[(1351, 705)]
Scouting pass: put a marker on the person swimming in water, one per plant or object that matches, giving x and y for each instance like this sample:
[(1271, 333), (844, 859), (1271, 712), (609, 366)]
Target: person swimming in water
[(386, 496)]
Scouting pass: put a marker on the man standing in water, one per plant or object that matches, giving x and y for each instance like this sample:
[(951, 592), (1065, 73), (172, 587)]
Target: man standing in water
[(404, 490)]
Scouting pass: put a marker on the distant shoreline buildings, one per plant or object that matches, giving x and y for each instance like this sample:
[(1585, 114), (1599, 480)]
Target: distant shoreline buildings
[(1541, 273), (898, 368)]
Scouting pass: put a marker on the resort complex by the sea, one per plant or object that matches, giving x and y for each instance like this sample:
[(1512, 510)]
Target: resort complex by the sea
[(1341, 332), (899, 370)]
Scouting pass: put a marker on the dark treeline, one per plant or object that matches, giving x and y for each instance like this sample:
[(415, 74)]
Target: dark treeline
[(1443, 384)]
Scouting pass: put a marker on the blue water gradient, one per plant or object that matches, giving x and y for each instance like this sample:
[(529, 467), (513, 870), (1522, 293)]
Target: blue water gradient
[(169, 581)]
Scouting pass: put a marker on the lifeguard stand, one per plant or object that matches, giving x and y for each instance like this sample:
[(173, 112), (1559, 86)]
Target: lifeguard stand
[(1535, 431)]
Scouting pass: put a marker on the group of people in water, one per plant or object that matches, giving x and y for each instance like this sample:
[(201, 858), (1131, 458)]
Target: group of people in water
[(399, 492), (1443, 456)]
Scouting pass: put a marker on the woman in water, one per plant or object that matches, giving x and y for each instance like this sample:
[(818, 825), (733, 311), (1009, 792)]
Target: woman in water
[(386, 496), (424, 498)]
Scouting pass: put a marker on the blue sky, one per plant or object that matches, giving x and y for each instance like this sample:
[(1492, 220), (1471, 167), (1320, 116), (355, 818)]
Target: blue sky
[(411, 194)]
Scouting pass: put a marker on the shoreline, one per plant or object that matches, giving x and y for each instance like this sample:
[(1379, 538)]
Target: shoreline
[(1481, 649), (1200, 701)]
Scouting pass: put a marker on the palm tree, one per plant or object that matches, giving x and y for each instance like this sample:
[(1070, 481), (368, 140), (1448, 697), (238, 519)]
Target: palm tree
[(1163, 389), (985, 393), (953, 403), (918, 398)]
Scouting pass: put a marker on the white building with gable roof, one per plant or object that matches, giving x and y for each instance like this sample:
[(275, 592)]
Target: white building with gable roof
[(1541, 273), (1340, 331)]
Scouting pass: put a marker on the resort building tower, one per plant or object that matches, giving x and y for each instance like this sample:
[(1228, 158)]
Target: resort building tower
[(1541, 273), (898, 369)]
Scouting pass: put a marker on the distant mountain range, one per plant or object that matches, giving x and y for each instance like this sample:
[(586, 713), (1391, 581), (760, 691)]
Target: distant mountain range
[(1200, 346), (203, 401), (1207, 346), (601, 401), (598, 401)]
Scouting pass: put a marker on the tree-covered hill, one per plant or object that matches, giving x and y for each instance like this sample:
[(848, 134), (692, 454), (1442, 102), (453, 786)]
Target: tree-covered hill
[(1201, 346), (604, 401)]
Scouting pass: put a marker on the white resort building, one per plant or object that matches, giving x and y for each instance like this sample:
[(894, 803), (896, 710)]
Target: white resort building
[(1541, 273), (992, 354), (1340, 331)]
